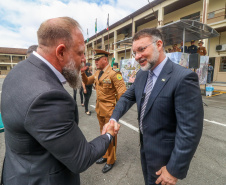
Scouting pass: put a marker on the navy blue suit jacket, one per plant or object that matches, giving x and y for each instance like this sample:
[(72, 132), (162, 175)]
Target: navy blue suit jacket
[(173, 119)]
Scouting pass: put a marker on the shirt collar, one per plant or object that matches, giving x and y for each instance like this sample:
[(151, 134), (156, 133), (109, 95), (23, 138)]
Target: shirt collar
[(158, 69), (56, 72), (105, 68)]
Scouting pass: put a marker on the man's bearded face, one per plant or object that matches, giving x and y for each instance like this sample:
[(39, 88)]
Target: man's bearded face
[(72, 75)]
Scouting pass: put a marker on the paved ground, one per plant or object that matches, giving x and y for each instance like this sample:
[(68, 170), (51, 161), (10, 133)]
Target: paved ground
[(208, 166)]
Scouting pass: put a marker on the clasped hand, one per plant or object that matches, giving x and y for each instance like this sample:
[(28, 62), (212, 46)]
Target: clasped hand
[(165, 178), (112, 127)]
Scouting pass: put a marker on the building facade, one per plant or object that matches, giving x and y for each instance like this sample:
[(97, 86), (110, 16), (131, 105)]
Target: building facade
[(159, 13), (9, 57)]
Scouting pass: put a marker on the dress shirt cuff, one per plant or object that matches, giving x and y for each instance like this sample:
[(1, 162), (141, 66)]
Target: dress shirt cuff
[(109, 136), (113, 120)]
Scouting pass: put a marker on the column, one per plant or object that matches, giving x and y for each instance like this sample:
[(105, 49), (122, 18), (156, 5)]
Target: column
[(133, 27), (11, 58), (93, 62), (205, 11), (103, 46), (160, 17), (133, 33), (115, 46), (87, 52), (204, 21)]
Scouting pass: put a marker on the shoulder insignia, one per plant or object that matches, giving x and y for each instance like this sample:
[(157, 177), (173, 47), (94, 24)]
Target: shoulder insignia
[(119, 77)]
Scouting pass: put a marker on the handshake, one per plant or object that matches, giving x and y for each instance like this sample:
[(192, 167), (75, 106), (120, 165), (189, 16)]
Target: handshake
[(112, 127)]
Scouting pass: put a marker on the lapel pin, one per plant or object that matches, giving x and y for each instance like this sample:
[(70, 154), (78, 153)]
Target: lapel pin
[(163, 80)]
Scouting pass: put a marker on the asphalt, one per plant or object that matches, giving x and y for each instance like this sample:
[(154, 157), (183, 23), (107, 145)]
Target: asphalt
[(208, 166)]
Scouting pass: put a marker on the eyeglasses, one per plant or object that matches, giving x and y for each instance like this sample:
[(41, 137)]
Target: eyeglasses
[(141, 50)]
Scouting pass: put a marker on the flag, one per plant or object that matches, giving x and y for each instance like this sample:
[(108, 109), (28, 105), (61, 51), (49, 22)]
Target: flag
[(96, 26), (108, 22), (112, 61), (87, 35)]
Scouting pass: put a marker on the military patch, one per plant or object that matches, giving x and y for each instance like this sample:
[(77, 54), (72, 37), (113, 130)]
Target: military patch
[(119, 77)]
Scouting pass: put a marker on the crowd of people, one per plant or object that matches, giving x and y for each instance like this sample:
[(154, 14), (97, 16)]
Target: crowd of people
[(201, 50), (44, 144)]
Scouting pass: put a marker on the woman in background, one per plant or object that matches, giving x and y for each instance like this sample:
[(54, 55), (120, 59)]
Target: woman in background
[(87, 89)]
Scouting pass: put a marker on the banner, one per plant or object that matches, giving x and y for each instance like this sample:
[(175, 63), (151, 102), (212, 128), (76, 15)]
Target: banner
[(202, 71), (183, 60), (96, 26), (129, 68)]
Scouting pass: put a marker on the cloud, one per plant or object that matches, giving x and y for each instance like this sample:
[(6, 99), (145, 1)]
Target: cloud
[(20, 19)]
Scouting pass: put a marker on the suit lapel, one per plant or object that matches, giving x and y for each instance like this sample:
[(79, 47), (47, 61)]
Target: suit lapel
[(140, 87), (162, 79)]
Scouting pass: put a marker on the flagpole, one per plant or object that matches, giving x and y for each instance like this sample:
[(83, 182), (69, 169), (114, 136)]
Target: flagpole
[(96, 32), (108, 34), (88, 43)]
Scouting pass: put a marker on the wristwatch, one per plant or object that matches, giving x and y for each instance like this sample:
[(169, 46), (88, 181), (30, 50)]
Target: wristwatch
[(110, 136)]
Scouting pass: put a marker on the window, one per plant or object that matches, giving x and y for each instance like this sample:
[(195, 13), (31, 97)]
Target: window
[(194, 16), (223, 64), (3, 67), (106, 47), (211, 15)]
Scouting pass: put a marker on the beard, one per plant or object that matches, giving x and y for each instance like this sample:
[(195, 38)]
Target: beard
[(72, 75), (154, 58)]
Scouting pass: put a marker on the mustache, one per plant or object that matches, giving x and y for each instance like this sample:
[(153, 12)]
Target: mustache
[(142, 60)]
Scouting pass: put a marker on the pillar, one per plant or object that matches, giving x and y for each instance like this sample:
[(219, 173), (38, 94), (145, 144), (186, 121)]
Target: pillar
[(160, 17), (115, 47)]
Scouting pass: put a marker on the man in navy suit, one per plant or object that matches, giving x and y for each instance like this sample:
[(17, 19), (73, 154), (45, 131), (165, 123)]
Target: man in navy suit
[(170, 110), (44, 145)]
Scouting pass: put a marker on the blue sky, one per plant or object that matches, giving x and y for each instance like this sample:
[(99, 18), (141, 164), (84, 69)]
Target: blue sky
[(20, 19)]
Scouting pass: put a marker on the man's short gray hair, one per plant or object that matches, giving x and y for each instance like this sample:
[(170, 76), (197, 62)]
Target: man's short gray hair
[(31, 49)]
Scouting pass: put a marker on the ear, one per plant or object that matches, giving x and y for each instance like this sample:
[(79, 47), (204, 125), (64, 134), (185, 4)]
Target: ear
[(60, 52), (106, 59), (159, 44)]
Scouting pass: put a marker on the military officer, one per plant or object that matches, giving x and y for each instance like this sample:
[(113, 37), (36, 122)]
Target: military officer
[(201, 49), (193, 48), (109, 88)]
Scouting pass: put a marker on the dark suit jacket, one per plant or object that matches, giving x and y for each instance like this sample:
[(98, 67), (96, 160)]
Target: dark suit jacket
[(192, 49), (44, 145), (173, 119), (185, 49)]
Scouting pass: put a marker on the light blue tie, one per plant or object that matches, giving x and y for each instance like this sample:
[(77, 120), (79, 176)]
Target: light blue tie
[(148, 88)]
